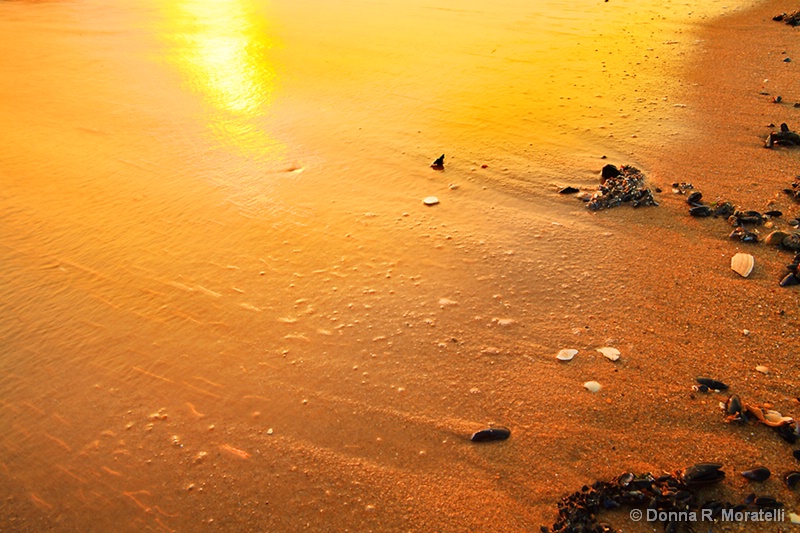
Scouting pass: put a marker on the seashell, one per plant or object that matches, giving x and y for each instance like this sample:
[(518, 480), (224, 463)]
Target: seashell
[(775, 417), (609, 353), (760, 473), (774, 213), (491, 434), (694, 199), (592, 386), (430, 200), (742, 264), (712, 383), (733, 406), (569, 190), (566, 354), (700, 211), (794, 518), (789, 280), (792, 479), (776, 238), (702, 474), (796, 454), (763, 369)]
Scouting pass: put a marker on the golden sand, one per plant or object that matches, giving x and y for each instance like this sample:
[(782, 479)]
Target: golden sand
[(268, 335)]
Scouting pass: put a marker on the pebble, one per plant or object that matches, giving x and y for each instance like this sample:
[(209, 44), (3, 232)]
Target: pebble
[(566, 354), (430, 200), (763, 369), (592, 386)]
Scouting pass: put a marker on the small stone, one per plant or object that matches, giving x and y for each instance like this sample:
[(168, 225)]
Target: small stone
[(269, 431), (763, 369), (592, 386), (430, 200), (746, 332), (566, 354)]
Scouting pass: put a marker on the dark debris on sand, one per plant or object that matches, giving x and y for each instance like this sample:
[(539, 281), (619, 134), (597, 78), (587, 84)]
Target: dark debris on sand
[(625, 184)]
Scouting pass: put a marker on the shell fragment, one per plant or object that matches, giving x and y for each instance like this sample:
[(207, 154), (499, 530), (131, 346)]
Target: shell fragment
[(609, 353), (742, 264), (566, 354), (592, 386), (430, 200)]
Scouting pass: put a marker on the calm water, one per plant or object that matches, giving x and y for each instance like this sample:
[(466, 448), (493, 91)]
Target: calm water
[(223, 302)]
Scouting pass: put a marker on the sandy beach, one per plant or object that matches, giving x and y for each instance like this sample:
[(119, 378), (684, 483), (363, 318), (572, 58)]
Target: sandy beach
[(276, 334)]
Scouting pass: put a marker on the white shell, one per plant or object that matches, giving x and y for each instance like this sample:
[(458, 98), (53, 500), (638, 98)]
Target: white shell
[(566, 354), (763, 369), (430, 200), (609, 353), (742, 264), (794, 518), (592, 386)]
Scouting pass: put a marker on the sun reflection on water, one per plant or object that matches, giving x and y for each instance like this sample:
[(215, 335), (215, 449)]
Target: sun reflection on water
[(220, 48)]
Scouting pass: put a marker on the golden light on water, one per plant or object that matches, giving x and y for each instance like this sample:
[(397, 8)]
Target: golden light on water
[(220, 50)]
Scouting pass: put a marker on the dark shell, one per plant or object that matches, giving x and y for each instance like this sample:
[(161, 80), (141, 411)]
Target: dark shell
[(796, 454), (792, 242), (760, 473), (788, 432), (694, 198), (700, 211), (792, 479), (491, 434), (724, 210), (774, 213), (789, 280), (439, 163), (568, 190), (702, 474), (767, 502), (733, 406), (712, 383)]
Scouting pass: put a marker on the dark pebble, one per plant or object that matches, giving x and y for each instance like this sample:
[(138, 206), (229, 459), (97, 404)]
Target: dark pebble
[(694, 198), (712, 383), (700, 211), (789, 280), (760, 473), (792, 479), (568, 190), (491, 434), (609, 171)]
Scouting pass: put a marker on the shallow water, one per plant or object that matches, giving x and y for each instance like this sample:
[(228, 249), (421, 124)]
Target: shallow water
[(223, 300)]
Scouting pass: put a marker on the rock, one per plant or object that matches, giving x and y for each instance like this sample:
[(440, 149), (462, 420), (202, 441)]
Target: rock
[(742, 264), (694, 198), (700, 211), (609, 171), (430, 200), (491, 434), (592, 386), (566, 354)]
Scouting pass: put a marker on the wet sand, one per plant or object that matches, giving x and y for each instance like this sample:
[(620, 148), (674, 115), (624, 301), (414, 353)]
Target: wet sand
[(334, 358)]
